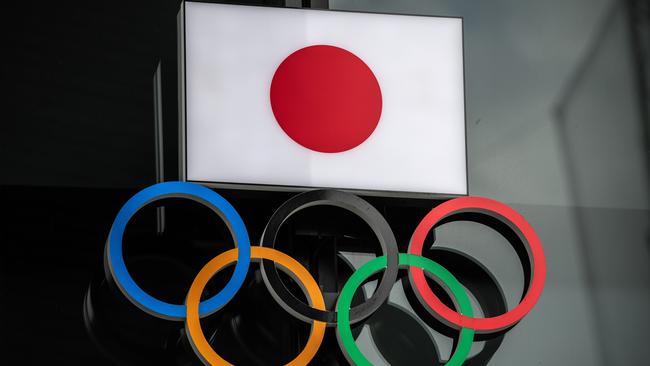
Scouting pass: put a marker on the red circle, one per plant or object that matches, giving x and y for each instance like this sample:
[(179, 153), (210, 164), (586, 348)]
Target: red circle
[(499, 211), (326, 98)]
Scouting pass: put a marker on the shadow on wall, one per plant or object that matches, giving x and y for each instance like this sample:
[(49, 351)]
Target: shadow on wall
[(603, 126)]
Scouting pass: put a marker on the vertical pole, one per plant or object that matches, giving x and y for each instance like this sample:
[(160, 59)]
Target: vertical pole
[(158, 137)]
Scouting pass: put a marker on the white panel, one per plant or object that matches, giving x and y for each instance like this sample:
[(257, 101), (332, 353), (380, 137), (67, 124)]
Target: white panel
[(232, 53)]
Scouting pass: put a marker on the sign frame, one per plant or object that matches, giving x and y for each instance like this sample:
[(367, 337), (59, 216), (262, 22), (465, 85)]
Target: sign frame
[(182, 115)]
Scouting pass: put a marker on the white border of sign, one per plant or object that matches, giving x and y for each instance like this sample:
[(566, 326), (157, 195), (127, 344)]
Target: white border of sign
[(182, 102)]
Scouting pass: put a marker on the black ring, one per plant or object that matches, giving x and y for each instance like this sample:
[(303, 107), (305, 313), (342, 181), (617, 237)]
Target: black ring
[(355, 205)]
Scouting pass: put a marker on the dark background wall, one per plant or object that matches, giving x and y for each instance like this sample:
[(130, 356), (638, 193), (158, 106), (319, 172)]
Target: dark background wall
[(80, 101)]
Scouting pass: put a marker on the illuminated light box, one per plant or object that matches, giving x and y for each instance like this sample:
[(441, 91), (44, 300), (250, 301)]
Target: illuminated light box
[(283, 98)]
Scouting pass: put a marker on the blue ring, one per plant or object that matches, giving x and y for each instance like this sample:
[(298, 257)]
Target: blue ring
[(139, 297)]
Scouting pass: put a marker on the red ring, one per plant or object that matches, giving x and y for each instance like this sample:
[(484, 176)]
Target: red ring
[(499, 211)]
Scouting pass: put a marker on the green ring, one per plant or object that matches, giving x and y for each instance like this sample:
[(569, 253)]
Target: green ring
[(344, 333)]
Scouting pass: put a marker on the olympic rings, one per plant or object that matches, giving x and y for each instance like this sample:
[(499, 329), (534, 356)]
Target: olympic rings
[(290, 265), (492, 213), (526, 234), (344, 333), (114, 259), (351, 203)]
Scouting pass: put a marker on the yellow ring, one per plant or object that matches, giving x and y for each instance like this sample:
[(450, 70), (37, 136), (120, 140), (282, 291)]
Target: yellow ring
[(193, 324)]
